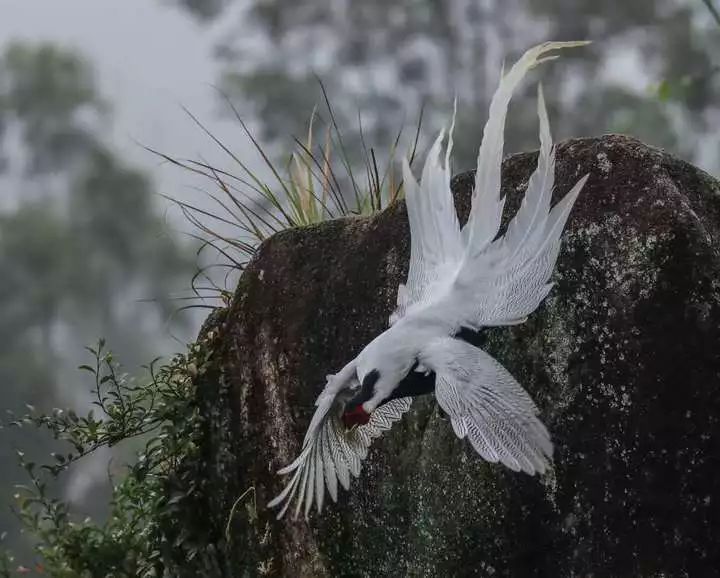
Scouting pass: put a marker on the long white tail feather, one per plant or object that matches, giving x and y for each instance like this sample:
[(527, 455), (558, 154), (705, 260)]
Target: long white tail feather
[(487, 206), (535, 204)]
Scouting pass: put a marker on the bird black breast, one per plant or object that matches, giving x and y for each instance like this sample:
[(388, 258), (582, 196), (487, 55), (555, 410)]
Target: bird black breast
[(416, 384), (476, 338)]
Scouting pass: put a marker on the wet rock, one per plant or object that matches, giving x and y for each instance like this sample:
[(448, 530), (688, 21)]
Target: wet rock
[(623, 359)]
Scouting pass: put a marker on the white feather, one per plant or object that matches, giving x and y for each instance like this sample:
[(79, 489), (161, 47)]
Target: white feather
[(457, 278)]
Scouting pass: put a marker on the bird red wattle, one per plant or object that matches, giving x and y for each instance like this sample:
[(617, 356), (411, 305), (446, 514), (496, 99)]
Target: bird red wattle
[(355, 416)]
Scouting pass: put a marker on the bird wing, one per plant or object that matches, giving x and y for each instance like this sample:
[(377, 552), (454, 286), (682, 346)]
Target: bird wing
[(331, 452), (500, 281), (486, 405)]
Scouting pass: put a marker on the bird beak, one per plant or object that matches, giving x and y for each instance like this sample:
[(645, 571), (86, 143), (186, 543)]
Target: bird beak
[(355, 416)]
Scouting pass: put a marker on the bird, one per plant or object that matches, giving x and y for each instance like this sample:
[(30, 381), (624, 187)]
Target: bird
[(460, 279)]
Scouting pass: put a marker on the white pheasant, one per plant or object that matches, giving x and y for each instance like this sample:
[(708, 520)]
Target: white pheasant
[(459, 279)]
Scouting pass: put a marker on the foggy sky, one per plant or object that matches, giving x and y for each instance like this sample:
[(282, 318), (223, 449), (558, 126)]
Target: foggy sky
[(151, 59)]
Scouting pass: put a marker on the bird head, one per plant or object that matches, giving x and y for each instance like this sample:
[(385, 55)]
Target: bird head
[(380, 368), (355, 411)]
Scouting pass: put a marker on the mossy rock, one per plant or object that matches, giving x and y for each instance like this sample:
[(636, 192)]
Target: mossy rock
[(623, 359)]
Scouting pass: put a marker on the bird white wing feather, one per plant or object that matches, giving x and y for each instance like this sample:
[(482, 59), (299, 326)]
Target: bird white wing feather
[(486, 405), (331, 452), (479, 281)]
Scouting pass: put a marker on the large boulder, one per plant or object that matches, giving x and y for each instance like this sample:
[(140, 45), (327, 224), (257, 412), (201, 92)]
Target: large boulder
[(623, 359)]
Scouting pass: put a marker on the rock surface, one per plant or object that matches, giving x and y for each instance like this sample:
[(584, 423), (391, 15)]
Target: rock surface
[(623, 359)]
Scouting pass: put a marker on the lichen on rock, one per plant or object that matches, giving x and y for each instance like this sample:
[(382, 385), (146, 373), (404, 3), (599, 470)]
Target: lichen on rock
[(623, 359)]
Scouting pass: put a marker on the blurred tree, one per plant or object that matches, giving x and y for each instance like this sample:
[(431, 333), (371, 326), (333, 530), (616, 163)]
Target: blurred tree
[(385, 58), (49, 96), (81, 242)]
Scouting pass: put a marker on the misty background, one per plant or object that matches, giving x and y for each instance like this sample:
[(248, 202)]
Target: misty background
[(90, 248)]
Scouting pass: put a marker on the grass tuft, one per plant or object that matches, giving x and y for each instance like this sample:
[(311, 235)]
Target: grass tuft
[(318, 182)]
